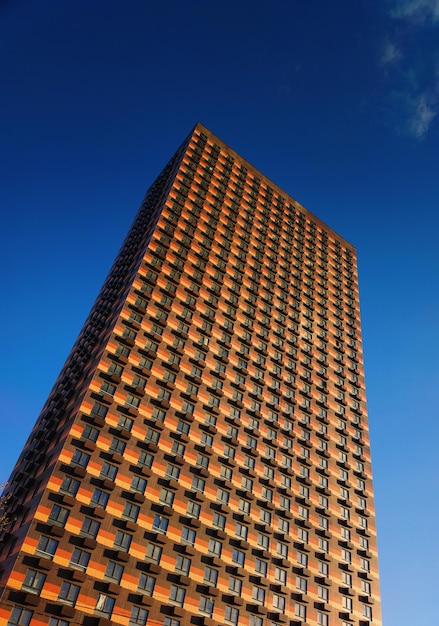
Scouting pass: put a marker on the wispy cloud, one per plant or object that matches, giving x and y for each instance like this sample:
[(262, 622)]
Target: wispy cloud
[(422, 116), (410, 66), (390, 54), (419, 10)]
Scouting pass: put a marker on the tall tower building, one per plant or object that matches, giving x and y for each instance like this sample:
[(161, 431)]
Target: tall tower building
[(203, 458)]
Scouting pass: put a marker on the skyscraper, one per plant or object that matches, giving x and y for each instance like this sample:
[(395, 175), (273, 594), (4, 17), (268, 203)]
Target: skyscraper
[(203, 457)]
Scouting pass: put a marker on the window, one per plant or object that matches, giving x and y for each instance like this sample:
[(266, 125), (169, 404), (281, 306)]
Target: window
[(160, 524), (145, 363), (68, 593), (47, 546), (117, 446), (182, 564), (301, 584), (33, 581), (210, 576), (138, 484), (20, 617), (261, 567), (365, 588), (304, 491), (122, 541), (188, 407), (282, 550), (226, 473), (323, 522), (323, 482), (323, 593), (125, 422), (198, 484), (222, 496), (158, 415), (188, 535), (255, 620), (304, 471), (323, 545), (265, 516), (164, 395), (193, 509), (115, 368), (347, 603), (219, 521), (322, 619), (99, 410), (114, 571), (283, 525), (172, 471), (252, 442), (303, 512), (108, 388), (215, 547), (280, 575), (90, 433), (361, 503), (300, 611), (139, 381), (238, 557), (231, 615), (176, 595), (108, 471), (202, 460), (104, 605), (100, 498), (146, 584), (145, 458), (80, 559), (131, 511), (258, 594), (267, 494), (229, 452), (365, 565), (207, 440), (178, 448), (153, 553), (235, 585), (55, 621), (364, 543), (152, 436), (70, 485), (183, 427), (168, 621), (302, 559), (278, 602), (80, 458), (138, 616), (90, 527), (206, 606), (344, 512)]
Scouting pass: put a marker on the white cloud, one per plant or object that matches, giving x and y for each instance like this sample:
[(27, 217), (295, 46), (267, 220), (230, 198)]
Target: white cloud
[(390, 54), (423, 114), (418, 10), (410, 67)]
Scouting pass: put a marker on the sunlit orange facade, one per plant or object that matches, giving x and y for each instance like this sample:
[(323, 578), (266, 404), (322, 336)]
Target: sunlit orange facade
[(203, 457)]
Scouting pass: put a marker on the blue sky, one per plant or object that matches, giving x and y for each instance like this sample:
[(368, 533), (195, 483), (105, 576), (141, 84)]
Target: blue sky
[(336, 102)]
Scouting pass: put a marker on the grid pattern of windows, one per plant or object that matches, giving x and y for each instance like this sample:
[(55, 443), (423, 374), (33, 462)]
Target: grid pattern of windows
[(223, 430)]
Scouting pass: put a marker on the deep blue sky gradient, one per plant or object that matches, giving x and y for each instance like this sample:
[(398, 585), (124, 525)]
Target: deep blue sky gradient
[(334, 101)]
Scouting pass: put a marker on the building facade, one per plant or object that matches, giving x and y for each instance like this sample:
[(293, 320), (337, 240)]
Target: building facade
[(203, 457)]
